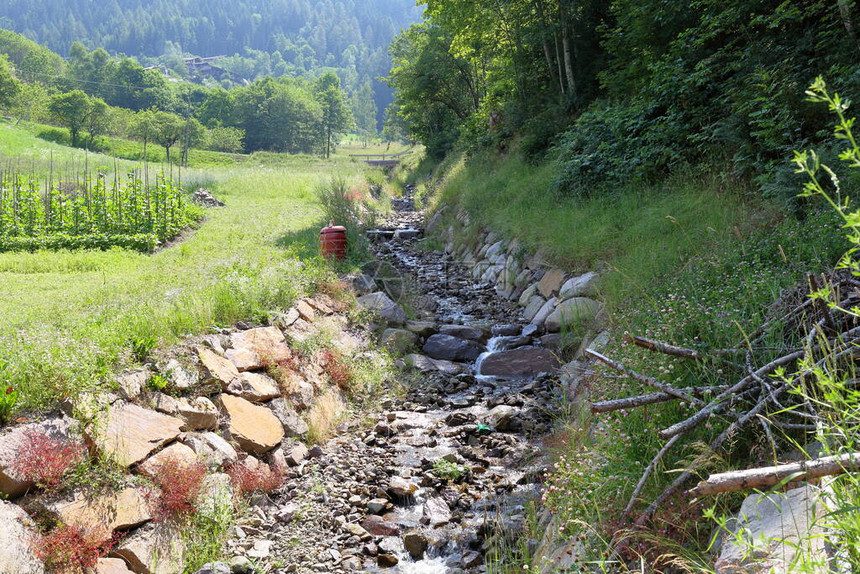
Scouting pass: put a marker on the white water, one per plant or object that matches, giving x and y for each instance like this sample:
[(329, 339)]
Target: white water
[(493, 346)]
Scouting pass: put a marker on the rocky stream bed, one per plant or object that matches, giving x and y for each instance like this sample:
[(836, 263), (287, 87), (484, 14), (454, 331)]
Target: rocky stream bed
[(378, 498)]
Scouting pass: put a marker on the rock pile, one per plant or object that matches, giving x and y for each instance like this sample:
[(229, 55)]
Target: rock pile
[(224, 405)]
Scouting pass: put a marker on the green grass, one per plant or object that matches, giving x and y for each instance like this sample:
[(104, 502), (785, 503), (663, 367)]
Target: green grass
[(639, 233), (71, 319)]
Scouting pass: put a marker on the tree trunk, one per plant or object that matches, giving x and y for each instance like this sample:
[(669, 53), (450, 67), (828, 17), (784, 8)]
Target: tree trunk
[(567, 41), (845, 14), (558, 60), (545, 41), (772, 475)]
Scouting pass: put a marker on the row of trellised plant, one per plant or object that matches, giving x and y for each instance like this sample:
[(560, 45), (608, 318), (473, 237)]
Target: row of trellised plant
[(95, 211)]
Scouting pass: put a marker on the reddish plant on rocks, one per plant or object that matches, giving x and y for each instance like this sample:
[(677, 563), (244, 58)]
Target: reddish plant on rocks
[(258, 478), (338, 371), (180, 484), (70, 549), (44, 459)]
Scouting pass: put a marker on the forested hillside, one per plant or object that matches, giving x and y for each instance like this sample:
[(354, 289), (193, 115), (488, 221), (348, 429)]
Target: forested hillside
[(629, 89), (277, 38)]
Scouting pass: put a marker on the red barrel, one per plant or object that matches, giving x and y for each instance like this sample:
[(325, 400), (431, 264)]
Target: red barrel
[(333, 241)]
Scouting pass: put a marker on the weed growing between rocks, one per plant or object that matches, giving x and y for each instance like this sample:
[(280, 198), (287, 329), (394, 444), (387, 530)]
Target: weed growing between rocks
[(180, 484), (206, 533), (324, 415), (338, 370), (247, 478), (45, 460), (69, 549)]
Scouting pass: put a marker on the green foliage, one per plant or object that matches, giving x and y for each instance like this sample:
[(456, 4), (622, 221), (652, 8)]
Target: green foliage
[(93, 214), (9, 86), (612, 144), (448, 470), (336, 116)]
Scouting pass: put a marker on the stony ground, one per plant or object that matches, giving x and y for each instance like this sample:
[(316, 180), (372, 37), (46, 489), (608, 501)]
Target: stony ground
[(419, 485)]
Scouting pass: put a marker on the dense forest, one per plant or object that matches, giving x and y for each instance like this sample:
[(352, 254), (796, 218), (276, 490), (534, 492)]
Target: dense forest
[(274, 38), (629, 89)]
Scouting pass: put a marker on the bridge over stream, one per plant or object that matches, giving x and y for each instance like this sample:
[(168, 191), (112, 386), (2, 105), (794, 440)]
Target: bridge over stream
[(383, 160)]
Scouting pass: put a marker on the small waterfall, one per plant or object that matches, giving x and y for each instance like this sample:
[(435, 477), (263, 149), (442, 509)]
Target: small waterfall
[(494, 345)]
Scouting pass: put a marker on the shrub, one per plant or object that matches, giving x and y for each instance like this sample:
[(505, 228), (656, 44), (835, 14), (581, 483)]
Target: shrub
[(70, 549), (180, 483), (254, 478), (44, 459), (338, 371)]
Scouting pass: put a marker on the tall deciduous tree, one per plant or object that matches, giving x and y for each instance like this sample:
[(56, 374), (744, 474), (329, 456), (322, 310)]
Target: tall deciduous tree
[(9, 86), (336, 115), (71, 109)]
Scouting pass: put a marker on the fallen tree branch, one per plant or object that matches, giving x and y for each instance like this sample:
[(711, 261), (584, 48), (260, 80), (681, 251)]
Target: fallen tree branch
[(718, 403), (665, 348), (648, 470), (770, 475), (679, 393), (650, 399)]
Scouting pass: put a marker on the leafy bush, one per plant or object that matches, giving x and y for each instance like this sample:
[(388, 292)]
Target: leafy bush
[(338, 370), (45, 459), (448, 470), (610, 144), (55, 135)]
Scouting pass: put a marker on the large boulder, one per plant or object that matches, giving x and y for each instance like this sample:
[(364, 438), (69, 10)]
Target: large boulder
[(534, 305), (211, 448), (551, 282), (255, 348), (130, 433), (382, 305), (545, 311), (583, 286), (293, 424), (574, 314), (12, 483), (111, 566), (520, 362), (16, 540), (176, 453), (255, 387), (426, 364), (198, 413), (464, 332), (157, 548), (398, 340), (255, 428), (450, 348), (437, 512), (217, 367), (100, 513), (776, 529)]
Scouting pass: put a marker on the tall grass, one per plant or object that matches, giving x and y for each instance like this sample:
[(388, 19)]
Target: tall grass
[(639, 233)]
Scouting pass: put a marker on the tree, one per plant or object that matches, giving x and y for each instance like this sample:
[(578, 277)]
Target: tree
[(192, 136), (364, 110), (226, 139), (97, 120), (9, 86), (71, 109), (336, 115), (142, 127), (167, 130)]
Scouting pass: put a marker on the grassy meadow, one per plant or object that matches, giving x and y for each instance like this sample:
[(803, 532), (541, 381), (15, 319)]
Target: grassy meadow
[(71, 319)]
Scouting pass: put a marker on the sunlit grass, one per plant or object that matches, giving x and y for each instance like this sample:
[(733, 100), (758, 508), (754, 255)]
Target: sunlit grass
[(71, 319)]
